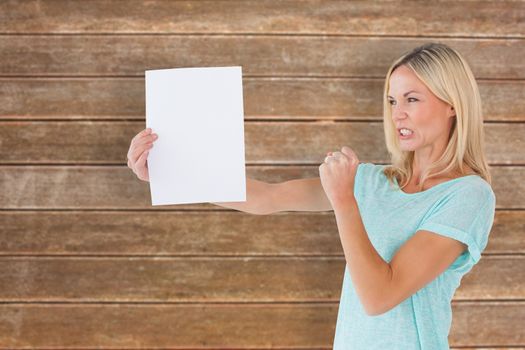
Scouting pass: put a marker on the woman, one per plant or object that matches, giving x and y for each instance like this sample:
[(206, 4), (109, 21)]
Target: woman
[(409, 230), (431, 228)]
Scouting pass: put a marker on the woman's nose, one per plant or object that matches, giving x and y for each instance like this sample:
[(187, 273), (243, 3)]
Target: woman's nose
[(398, 113)]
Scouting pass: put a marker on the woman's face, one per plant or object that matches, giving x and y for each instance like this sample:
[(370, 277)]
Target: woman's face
[(416, 108)]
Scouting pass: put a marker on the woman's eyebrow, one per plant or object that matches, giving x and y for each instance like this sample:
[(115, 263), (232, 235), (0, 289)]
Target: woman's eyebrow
[(406, 93)]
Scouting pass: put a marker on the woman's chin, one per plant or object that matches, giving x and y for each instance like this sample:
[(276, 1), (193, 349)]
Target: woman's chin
[(407, 147)]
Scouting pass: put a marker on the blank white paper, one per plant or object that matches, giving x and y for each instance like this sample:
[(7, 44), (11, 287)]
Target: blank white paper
[(199, 116)]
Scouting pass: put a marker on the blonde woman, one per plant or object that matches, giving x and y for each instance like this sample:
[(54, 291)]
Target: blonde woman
[(409, 230)]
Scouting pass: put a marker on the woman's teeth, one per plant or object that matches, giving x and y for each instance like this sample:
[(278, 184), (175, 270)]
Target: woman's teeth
[(405, 132)]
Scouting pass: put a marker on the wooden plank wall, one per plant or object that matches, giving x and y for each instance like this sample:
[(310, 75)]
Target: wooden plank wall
[(88, 262)]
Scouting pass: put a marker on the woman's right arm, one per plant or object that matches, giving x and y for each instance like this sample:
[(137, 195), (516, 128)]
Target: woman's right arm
[(294, 195), (261, 198)]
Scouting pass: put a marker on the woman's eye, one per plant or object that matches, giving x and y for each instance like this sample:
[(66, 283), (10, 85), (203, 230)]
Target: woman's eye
[(410, 98)]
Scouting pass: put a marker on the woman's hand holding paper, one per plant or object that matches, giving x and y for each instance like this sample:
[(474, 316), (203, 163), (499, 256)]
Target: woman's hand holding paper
[(138, 153)]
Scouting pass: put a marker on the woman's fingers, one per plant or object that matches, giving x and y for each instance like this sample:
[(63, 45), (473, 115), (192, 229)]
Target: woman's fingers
[(139, 149), (141, 134), (138, 153), (143, 139), (135, 157), (137, 137), (139, 145), (141, 167)]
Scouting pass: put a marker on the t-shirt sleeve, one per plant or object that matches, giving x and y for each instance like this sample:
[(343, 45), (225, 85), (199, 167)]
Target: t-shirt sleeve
[(466, 215), (360, 178)]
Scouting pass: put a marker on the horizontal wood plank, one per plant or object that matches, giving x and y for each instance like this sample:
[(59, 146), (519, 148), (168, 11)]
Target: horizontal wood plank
[(117, 187), (264, 98), (226, 325), (103, 142), (114, 55), (237, 279), (486, 18), (201, 233)]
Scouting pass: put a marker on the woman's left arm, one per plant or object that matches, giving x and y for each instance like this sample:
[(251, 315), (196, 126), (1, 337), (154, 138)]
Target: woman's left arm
[(369, 272)]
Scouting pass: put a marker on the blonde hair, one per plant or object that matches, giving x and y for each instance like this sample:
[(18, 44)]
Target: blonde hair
[(447, 74)]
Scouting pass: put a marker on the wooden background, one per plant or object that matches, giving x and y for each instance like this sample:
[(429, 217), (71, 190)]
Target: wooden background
[(87, 262)]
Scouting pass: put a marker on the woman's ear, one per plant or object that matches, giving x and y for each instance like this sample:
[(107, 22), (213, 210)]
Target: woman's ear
[(452, 112)]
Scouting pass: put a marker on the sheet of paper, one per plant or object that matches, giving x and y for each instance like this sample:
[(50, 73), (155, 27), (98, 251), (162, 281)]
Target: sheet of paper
[(199, 116)]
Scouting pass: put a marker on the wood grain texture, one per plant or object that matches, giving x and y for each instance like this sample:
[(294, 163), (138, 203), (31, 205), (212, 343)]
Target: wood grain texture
[(260, 55), (485, 18), (215, 326), (217, 233), (116, 187), (273, 98), (107, 142), (216, 279), (87, 262)]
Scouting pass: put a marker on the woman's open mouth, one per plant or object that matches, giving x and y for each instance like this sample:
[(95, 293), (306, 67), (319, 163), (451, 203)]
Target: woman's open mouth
[(405, 133)]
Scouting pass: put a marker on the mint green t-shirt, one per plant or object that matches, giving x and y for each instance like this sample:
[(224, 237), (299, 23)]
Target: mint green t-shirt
[(462, 208)]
